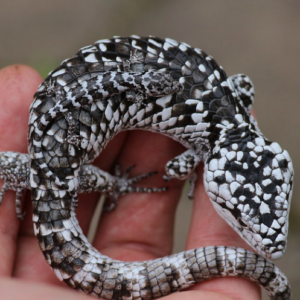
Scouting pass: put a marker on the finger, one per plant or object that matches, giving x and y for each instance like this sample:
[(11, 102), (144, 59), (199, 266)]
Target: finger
[(30, 263), (197, 295), (19, 251), (16, 289), (19, 289), (17, 85), (209, 229), (19, 248), (141, 226)]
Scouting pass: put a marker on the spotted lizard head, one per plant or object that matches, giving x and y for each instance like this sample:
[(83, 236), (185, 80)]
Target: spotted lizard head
[(250, 185)]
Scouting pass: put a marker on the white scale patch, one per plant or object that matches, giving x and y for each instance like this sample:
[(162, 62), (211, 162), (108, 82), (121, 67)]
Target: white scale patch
[(166, 113), (164, 101), (59, 72), (91, 58), (157, 44)]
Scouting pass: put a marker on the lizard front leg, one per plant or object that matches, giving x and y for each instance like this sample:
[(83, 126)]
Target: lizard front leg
[(15, 171)]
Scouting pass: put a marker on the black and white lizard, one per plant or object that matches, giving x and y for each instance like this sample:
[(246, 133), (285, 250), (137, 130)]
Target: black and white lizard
[(176, 90)]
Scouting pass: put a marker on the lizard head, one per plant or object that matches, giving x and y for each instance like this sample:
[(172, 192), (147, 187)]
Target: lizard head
[(250, 186)]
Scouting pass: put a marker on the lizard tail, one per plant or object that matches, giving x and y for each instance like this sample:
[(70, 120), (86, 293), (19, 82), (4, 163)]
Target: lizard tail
[(76, 262)]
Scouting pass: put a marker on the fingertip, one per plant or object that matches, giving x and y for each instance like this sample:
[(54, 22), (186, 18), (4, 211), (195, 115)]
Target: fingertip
[(18, 84), (16, 80)]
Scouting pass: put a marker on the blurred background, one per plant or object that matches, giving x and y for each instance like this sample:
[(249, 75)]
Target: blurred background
[(258, 38)]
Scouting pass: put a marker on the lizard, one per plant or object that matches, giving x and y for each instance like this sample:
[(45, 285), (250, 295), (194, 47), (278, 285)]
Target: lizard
[(171, 88)]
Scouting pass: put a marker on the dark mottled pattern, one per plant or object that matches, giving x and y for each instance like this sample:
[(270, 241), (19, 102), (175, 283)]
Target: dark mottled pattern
[(179, 91)]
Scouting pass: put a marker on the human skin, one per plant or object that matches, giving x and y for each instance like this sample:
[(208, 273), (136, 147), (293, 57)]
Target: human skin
[(140, 228)]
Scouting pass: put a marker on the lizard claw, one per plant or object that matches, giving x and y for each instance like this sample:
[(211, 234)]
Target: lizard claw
[(124, 185)]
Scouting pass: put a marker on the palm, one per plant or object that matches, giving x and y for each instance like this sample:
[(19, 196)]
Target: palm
[(140, 228)]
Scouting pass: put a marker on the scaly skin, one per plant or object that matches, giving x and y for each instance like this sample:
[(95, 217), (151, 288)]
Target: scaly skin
[(173, 89)]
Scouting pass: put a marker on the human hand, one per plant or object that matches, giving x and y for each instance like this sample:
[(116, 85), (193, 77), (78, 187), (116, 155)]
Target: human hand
[(140, 228)]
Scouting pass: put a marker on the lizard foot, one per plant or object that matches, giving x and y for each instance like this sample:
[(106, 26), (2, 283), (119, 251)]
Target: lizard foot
[(124, 185)]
